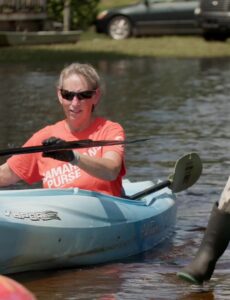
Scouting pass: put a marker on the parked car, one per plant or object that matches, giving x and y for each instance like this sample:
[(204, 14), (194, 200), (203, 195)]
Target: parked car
[(214, 19), (149, 17)]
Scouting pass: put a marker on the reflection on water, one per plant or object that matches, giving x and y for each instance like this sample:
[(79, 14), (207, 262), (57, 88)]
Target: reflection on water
[(184, 106)]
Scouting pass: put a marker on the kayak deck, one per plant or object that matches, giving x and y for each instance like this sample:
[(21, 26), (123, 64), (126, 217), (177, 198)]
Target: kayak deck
[(43, 228)]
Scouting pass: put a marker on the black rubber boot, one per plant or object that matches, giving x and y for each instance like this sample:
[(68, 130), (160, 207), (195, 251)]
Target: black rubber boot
[(213, 245)]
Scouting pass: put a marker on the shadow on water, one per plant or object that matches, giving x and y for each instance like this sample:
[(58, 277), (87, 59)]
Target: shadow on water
[(52, 56), (184, 105)]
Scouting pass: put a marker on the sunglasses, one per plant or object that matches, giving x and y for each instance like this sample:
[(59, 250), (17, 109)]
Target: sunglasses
[(68, 95)]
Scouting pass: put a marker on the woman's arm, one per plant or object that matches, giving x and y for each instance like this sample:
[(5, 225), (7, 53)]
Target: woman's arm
[(7, 176), (106, 167)]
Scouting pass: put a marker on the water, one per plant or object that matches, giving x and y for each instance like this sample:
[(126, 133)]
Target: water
[(184, 105)]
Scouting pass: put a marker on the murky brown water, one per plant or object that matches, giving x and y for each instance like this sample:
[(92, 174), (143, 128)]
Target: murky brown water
[(184, 105)]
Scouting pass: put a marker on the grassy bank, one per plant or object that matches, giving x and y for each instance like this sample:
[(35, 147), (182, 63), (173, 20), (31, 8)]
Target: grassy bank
[(100, 46), (107, 4), (164, 46)]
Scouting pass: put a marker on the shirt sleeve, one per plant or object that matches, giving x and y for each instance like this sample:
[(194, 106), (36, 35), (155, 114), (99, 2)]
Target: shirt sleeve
[(26, 165), (114, 132)]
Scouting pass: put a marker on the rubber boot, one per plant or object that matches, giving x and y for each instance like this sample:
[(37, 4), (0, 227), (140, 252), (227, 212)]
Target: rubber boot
[(213, 245)]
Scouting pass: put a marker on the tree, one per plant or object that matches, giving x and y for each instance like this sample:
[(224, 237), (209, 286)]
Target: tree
[(66, 15), (73, 14)]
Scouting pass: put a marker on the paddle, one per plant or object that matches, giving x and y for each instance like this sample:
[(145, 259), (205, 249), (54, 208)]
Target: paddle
[(68, 145), (187, 171)]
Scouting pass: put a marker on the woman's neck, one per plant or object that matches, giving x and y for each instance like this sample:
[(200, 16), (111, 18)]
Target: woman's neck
[(78, 129)]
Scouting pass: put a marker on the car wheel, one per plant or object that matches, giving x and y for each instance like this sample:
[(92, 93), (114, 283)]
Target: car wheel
[(215, 36), (119, 28)]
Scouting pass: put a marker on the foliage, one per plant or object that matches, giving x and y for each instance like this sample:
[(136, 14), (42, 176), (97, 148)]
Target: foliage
[(83, 12)]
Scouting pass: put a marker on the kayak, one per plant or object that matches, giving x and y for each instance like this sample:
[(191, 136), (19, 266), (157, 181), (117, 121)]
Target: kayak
[(59, 228)]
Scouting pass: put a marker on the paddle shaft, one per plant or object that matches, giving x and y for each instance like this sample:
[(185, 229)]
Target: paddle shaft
[(67, 145), (151, 189)]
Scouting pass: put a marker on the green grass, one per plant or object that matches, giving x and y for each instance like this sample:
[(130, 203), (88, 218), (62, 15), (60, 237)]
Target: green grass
[(102, 47), (107, 4), (164, 46)]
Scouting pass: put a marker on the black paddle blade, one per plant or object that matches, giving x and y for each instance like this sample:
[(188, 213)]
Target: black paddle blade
[(187, 171)]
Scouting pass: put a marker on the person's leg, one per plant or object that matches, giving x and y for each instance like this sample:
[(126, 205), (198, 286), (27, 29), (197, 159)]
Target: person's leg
[(214, 243)]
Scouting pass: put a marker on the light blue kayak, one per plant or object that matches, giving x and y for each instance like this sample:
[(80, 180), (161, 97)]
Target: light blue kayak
[(43, 228)]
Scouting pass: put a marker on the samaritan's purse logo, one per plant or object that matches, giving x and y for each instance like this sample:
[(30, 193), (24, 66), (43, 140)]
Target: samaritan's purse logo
[(46, 215)]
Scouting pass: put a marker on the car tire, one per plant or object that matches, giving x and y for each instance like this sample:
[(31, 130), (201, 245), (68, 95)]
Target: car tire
[(119, 28), (215, 36)]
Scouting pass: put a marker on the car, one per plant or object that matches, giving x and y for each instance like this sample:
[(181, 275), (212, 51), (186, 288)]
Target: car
[(149, 17), (214, 19)]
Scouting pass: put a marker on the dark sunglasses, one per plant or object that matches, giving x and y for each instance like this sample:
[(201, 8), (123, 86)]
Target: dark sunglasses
[(68, 95)]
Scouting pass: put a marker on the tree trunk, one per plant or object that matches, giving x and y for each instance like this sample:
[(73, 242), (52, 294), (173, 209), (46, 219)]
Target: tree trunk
[(66, 15)]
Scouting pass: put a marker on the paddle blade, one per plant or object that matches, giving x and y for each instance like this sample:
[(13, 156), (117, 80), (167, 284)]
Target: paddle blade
[(187, 171)]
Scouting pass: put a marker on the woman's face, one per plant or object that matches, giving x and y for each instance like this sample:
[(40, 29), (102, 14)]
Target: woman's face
[(78, 111)]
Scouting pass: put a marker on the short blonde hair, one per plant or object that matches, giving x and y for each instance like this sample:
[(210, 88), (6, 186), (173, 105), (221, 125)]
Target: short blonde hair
[(86, 70)]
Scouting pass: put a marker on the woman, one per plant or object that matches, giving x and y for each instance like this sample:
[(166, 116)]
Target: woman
[(99, 168)]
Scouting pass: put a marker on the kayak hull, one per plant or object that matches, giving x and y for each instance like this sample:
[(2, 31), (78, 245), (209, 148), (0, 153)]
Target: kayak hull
[(44, 229)]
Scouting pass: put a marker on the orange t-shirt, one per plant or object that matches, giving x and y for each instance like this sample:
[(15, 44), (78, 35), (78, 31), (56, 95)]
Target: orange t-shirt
[(58, 174)]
